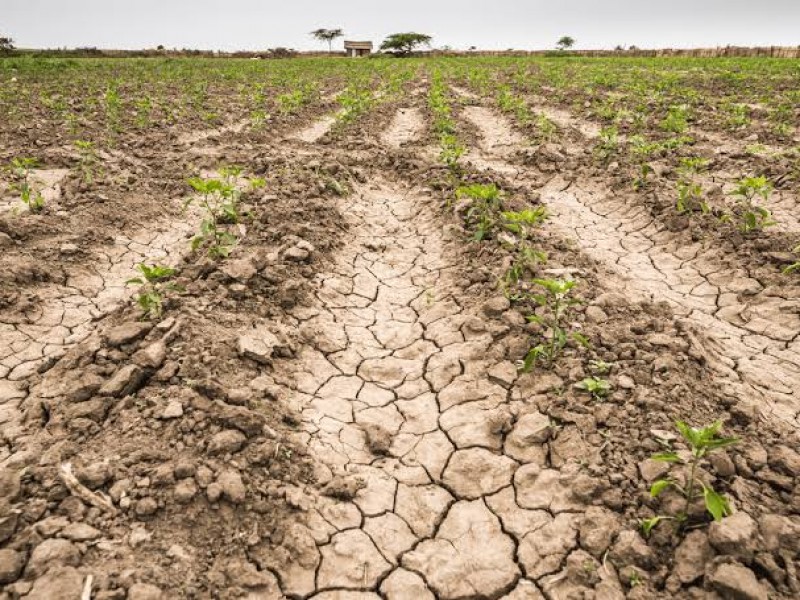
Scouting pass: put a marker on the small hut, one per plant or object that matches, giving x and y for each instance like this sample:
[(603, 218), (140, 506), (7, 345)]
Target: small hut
[(356, 49)]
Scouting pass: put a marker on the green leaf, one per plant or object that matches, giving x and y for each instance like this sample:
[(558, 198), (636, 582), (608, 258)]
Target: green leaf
[(670, 457), (716, 504), (659, 486), (135, 281), (648, 524)]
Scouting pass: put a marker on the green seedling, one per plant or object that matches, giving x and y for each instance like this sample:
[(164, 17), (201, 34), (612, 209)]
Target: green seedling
[(218, 198), (751, 216), (523, 222), (608, 144), (598, 388), (546, 130), (795, 266), (155, 286), (87, 161), (642, 181), (485, 209), (555, 303), (690, 198), (677, 119), (701, 442), (600, 367), (21, 172)]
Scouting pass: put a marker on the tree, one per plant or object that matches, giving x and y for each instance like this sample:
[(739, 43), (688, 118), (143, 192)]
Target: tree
[(403, 44), (565, 43), (6, 45), (327, 35)]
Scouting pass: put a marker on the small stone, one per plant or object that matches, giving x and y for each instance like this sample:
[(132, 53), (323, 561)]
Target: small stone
[(127, 333), (735, 581), (80, 532), (94, 475), (240, 270), (125, 382), (785, 459), (185, 490), (296, 254), (258, 345), (138, 537), (626, 382), (227, 442), (151, 357), (631, 550), (653, 469), (50, 553), (496, 306), (11, 565), (146, 507), (691, 557), (595, 314), (69, 248), (597, 530), (173, 410), (722, 464), (144, 591), (59, 583), (232, 487), (734, 535), (214, 492)]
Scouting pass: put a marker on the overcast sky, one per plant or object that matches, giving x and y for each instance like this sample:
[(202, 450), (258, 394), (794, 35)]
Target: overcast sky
[(489, 24)]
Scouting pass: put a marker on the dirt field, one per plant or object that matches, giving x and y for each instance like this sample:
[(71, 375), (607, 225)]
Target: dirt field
[(407, 329)]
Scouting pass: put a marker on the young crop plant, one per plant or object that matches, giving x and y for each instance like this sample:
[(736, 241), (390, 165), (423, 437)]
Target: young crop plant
[(484, 212), (155, 286), (608, 144), (87, 161), (218, 199), (546, 130), (526, 256), (737, 116), (554, 303), (598, 388), (701, 442), (21, 172), (795, 266), (752, 217), (677, 119), (511, 104)]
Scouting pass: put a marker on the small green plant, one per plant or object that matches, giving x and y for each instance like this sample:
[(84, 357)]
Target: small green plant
[(752, 217), (87, 163), (677, 119), (795, 266), (218, 198), (21, 172), (485, 210), (155, 286), (701, 442), (600, 367), (641, 181), (555, 302), (598, 388), (608, 144), (546, 130)]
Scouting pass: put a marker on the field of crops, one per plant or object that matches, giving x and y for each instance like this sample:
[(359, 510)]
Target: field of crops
[(454, 328)]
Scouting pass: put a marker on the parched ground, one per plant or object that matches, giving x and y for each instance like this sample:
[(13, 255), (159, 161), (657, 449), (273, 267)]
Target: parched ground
[(335, 411)]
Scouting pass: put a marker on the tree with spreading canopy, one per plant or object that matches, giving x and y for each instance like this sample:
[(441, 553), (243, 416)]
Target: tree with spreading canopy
[(403, 44), (6, 45), (565, 43), (327, 35)]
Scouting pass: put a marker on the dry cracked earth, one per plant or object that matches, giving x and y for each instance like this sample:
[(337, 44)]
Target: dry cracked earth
[(421, 463)]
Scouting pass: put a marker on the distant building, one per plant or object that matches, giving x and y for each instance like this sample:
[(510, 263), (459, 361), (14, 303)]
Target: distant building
[(356, 49)]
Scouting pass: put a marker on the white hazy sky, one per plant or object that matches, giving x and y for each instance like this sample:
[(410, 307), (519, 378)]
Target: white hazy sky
[(489, 24)]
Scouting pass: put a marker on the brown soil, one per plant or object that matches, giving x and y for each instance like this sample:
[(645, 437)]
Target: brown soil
[(335, 410)]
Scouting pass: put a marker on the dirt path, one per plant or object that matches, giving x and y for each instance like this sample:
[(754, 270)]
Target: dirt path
[(405, 127), (753, 343), (405, 406)]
